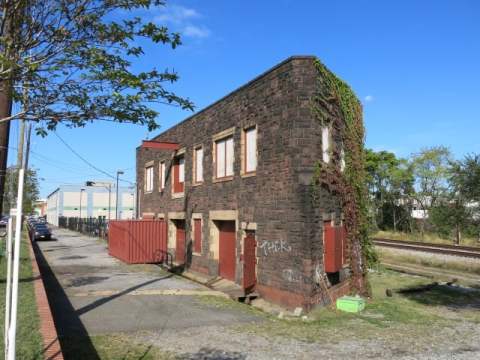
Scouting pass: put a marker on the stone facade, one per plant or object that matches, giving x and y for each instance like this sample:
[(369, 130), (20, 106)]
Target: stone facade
[(275, 202)]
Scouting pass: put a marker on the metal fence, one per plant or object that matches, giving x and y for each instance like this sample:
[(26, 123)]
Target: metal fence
[(97, 227)]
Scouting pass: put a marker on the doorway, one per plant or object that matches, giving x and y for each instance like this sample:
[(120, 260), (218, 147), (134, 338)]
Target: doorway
[(227, 249)]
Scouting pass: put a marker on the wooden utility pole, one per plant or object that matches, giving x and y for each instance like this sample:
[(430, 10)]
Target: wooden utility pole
[(9, 34), (27, 149), (5, 112)]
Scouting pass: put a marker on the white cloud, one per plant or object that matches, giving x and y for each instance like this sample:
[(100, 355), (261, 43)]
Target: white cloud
[(196, 31), (182, 20), (177, 14), (368, 98)]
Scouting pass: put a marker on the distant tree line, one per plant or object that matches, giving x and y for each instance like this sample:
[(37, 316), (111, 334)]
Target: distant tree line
[(31, 190), (429, 191)]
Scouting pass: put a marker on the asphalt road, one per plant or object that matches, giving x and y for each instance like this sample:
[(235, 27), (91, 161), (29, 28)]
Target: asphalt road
[(92, 293)]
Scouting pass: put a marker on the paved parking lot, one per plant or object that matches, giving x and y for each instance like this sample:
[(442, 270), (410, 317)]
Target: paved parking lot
[(93, 293)]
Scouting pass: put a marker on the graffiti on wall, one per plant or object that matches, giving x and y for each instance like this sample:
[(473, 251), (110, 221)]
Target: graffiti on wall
[(272, 247), (291, 275)]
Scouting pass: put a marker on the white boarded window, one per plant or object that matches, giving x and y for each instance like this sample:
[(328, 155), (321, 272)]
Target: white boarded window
[(250, 150), (162, 175), (224, 157), (149, 179), (199, 165), (181, 170), (326, 144), (229, 157), (342, 159)]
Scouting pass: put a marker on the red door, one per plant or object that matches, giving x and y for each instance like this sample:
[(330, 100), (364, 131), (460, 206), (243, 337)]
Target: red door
[(180, 248), (227, 250), (332, 248), (249, 262)]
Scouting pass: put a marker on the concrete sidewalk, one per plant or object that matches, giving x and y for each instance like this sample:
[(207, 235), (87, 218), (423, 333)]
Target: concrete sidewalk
[(92, 293)]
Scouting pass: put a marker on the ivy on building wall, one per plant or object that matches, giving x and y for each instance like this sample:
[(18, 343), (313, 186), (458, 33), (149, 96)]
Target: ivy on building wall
[(335, 105)]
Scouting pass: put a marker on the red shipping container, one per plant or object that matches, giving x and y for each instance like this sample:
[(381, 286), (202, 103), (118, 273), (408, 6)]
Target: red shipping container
[(138, 241)]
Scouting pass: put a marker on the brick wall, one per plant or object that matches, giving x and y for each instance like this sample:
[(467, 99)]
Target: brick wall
[(277, 199)]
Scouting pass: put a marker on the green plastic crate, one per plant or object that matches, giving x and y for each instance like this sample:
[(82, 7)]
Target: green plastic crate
[(350, 304)]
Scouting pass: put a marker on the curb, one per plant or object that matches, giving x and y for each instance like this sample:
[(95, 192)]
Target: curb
[(51, 349)]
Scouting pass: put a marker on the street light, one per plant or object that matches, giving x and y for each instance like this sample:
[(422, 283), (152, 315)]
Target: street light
[(80, 207), (106, 185), (119, 172)]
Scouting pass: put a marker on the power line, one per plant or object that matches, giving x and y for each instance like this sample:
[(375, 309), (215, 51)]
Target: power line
[(88, 162)]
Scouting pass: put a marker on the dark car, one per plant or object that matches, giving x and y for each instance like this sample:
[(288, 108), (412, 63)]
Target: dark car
[(4, 221), (40, 232)]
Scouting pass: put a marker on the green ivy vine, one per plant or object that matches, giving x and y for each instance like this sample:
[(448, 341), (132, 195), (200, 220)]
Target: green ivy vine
[(334, 100)]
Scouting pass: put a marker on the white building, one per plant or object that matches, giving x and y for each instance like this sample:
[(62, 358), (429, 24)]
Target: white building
[(90, 201)]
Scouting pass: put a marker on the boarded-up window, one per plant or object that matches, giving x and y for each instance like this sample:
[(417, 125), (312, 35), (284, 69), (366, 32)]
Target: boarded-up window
[(162, 175), (250, 150), (181, 169), (198, 165), (342, 159), (178, 174), (149, 179), (197, 236), (326, 144), (224, 157)]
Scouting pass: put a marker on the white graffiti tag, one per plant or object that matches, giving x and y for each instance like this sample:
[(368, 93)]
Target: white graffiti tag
[(291, 275), (271, 247)]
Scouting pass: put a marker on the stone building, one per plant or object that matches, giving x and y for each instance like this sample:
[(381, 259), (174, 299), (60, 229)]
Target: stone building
[(234, 184)]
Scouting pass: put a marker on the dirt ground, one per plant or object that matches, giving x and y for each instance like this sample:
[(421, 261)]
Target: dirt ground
[(97, 297)]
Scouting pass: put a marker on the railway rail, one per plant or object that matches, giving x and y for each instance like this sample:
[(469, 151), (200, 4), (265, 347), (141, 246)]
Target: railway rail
[(453, 250)]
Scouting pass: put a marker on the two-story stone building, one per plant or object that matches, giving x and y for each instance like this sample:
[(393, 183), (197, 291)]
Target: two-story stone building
[(234, 184)]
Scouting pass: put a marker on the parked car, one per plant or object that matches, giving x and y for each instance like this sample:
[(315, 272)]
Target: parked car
[(4, 221), (40, 231)]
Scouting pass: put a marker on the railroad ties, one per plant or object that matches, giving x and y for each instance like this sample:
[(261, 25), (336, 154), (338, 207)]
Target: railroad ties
[(453, 250)]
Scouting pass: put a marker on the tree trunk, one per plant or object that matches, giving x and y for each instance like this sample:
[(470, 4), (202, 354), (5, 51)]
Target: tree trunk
[(5, 111), (458, 235), (394, 220)]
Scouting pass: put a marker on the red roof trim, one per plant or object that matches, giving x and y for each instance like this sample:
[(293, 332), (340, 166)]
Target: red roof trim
[(161, 145)]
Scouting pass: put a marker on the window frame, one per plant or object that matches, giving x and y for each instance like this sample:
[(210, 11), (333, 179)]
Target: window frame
[(195, 167), (245, 130), (148, 166), (327, 150), (224, 141), (162, 171), (222, 136), (175, 173)]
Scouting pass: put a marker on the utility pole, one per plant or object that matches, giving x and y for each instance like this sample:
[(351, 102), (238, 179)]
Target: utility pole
[(80, 207), (27, 150), (119, 172), (109, 200)]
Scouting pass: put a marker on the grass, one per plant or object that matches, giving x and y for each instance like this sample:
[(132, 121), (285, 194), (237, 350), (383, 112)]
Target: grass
[(111, 347), (410, 315), (427, 238), (29, 342), (396, 257)]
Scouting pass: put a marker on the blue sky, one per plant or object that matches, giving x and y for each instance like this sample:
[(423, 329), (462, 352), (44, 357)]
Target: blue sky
[(414, 64)]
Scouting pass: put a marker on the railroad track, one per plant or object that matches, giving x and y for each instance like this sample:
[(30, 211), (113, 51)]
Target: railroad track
[(453, 250)]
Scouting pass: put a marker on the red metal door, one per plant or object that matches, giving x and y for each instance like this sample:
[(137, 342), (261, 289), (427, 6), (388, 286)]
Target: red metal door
[(180, 243), (332, 248), (249, 262), (227, 250)]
